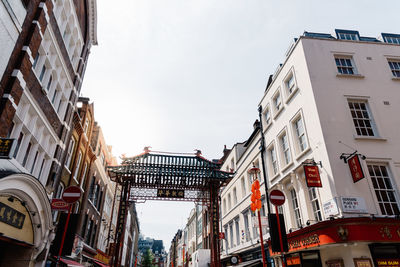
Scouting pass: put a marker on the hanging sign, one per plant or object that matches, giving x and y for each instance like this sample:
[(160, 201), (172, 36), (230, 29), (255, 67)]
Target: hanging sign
[(312, 176), (171, 193), (59, 204), (355, 168), (5, 148)]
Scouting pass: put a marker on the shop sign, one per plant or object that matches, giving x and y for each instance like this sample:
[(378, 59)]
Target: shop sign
[(6, 148), (335, 263), (293, 261), (355, 168), (312, 176), (59, 204), (264, 221), (362, 262), (388, 262), (330, 208), (311, 240), (170, 193), (11, 216), (15, 221), (354, 205), (214, 214)]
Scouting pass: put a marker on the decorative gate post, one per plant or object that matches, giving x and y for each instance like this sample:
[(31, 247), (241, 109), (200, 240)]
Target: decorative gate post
[(214, 223)]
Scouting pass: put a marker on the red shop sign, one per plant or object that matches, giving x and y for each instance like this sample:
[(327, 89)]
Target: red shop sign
[(312, 176), (355, 168)]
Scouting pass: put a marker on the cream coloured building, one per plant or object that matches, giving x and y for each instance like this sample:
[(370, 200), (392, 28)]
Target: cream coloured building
[(333, 97)]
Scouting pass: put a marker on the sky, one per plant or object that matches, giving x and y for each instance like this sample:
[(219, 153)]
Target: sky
[(180, 75)]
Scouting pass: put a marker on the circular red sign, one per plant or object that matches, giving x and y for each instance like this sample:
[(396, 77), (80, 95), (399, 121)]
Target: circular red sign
[(71, 194), (277, 197)]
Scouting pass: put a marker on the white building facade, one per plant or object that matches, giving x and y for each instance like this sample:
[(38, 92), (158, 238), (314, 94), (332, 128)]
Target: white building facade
[(332, 98)]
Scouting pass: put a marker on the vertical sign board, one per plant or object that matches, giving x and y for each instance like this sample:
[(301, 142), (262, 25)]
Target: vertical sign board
[(355, 168), (312, 176)]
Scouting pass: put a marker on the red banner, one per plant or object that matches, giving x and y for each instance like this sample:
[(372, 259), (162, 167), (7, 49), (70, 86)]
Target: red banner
[(312, 176), (355, 168)]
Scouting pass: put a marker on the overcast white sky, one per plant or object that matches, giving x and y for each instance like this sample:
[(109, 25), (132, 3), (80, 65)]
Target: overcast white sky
[(179, 75)]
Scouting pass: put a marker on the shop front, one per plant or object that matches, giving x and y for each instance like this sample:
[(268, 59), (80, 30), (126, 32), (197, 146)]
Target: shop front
[(26, 228), (358, 242)]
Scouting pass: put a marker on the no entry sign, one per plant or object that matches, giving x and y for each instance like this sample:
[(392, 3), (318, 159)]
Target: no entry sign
[(72, 194), (277, 197)]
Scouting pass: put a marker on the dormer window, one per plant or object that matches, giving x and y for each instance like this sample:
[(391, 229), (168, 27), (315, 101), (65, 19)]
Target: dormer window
[(391, 38), (347, 35)]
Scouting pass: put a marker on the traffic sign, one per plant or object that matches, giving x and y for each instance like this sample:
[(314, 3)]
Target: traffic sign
[(71, 194), (277, 197), (59, 204)]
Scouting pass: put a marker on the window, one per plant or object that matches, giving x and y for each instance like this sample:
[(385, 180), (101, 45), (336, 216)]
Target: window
[(347, 35), (285, 148), (28, 150), (229, 201), (296, 207), (234, 196), (391, 38), (362, 118), (395, 68), (34, 162), (49, 82), (345, 65), (290, 83), (246, 225), (21, 136), (273, 160), (277, 102), (54, 97), (299, 130), (312, 193), (42, 72), (226, 236), (69, 153), (267, 116), (41, 168), (78, 162), (86, 127), (384, 191), (237, 231), (231, 235), (225, 210), (243, 186), (84, 176), (35, 61)]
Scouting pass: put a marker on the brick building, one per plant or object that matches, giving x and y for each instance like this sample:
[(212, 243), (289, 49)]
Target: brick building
[(45, 47)]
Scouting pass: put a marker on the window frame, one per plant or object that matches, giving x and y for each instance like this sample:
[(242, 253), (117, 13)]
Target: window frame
[(294, 200), (282, 150), (290, 76), (371, 119), (395, 72), (277, 111), (393, 189), (298, 152), (273, 170), (267, 110), (340, 68)]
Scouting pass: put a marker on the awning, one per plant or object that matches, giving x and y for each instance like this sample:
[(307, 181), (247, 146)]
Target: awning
[(71, 263), (101, 264)]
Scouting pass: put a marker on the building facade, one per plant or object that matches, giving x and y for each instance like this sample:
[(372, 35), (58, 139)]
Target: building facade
[(329, 107), (45, 47)]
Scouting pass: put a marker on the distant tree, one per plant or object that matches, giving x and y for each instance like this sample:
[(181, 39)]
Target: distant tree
[(147, 260)]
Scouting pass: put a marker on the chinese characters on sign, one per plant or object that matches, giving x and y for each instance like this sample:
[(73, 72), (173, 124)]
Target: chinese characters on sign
[(312, 176), (171, 193), (355, 168), (11, 216), (5, 148), (362, 262)]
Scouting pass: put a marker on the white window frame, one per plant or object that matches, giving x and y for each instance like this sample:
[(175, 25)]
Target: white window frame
[(363, 119), (70, 152), (384, 186), (84, 175), (243, 184), (78, 163), (268, 119), (234, 197), (285, 151), (315, 203), (343, 68), (296, 137), (272, 166), (294, 199), (290, 90), (394, 65), (277, 106)]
